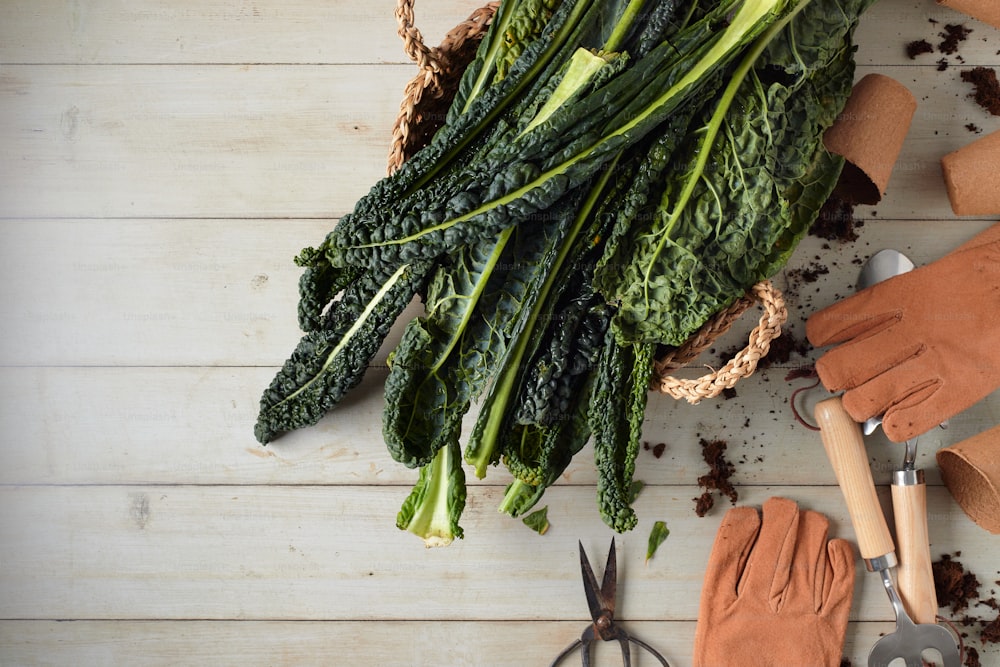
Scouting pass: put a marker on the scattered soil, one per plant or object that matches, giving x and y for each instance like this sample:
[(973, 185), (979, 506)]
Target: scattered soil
[(917, 47), (656, 449), (987, 88), (836, 221), (959, 590), (954, 587), (952, 35), (991, 633), (717, 479), (972, 127)]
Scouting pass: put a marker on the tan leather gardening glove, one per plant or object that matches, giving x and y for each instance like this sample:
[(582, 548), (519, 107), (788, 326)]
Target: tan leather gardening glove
[(776, 593), (920, 347)]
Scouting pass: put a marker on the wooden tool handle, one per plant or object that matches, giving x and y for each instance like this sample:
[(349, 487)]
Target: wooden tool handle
[(914, 577), (845, 448)]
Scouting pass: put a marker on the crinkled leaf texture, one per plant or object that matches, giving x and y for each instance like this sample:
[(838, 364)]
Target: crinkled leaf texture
[(331, 360), (731, 217)]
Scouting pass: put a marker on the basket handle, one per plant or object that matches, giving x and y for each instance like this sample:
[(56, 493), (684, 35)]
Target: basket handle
[(426, 57), (742, 365)]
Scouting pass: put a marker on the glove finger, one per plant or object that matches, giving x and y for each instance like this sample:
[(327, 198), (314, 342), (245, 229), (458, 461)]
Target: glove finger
[(858, 315), (838, 582), (804, 593), (767, 570), (859, 361), (906, 386), (733, 542), (927, 407)]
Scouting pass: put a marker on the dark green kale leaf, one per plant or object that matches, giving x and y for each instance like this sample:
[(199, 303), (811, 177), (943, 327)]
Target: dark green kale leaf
[(331, 360), (617, 410), (750, 181)]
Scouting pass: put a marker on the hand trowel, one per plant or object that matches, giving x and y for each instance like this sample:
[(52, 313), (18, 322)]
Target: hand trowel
[(914, 575)]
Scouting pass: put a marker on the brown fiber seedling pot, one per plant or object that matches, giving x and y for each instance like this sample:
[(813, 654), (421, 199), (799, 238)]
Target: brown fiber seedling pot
[(971, 471)]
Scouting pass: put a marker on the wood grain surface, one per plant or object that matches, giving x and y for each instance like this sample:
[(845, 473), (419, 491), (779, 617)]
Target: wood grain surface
[(161, 164)]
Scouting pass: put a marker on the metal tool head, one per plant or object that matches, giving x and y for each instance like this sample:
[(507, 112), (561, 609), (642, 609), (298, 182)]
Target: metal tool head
[(910, 641), (601, 597), (883, 265)]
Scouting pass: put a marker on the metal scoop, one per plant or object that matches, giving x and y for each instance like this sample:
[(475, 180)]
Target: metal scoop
[(845, 448)]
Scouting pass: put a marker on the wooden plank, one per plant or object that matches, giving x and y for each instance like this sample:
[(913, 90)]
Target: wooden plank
[(498, 643), (334, 32), (194, 141), (195, 426), (333, 553), (216, 31)]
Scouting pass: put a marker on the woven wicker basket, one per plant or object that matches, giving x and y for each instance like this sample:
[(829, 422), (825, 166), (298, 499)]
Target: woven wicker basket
[(426, 100)]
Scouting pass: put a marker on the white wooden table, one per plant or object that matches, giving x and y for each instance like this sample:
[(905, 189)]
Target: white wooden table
[(162, 162)]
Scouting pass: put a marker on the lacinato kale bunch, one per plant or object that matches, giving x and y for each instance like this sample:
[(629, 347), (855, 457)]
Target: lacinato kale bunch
[(608, 177)]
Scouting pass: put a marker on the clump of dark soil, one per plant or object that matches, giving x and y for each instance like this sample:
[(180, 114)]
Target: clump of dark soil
[(836, 221), (959, 590), (720, 469), (954, 587), (987, 88), (656, 449), (952, 35), (917, 47)]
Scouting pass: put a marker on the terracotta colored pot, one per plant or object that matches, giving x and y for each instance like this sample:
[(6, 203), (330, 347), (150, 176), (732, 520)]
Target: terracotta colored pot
[(971, 471)]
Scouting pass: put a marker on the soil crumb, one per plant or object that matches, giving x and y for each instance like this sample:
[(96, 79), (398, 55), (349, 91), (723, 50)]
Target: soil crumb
[(952, 35), (954, 587), (836, 221), (959, 590), (717, 479), (987, 88), (918, 47)]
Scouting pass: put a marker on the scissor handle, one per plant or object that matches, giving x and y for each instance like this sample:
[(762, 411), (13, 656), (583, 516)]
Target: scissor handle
[(587, 641)]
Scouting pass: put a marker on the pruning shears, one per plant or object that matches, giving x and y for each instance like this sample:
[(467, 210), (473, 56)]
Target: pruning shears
[(601, 600)]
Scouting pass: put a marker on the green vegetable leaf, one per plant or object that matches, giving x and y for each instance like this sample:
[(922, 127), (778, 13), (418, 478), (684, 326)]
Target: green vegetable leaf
[(435, 505), (657, 536), (331, 360), (538, 520), (616, 415)]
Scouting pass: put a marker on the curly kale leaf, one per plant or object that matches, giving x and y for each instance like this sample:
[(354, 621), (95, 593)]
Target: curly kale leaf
[(524, 177), (445, 359), (751, 182), (537, 454), (331, 360), (616, 414), (575, 337)]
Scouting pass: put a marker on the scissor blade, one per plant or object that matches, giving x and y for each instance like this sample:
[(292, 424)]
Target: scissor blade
[(610, 580), (590, 585)]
